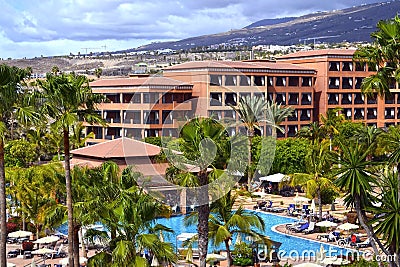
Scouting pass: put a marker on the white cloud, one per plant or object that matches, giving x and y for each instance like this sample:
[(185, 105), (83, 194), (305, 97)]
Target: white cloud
[(52, 27)]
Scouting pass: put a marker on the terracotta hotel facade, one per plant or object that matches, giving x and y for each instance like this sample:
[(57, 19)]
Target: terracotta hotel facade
[(311, 82)]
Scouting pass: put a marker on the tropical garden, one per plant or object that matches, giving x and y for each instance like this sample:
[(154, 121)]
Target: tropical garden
[(41, 122)]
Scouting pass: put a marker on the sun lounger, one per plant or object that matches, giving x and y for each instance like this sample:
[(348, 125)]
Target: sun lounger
[(310, 228), (364, 244)]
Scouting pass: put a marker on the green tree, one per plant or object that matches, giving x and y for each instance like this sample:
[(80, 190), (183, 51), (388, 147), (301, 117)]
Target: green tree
[(11, 95), (355, 178), (201, 141), (383, 53), (98, 72), (55, 70), (330, 123), (20, 153), (290, 155), (225, 221), (316, 178), (68, 98), (387, 220)]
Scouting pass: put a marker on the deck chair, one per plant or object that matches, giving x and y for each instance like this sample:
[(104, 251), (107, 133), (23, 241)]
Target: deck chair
[(364, 244), (310, 228)]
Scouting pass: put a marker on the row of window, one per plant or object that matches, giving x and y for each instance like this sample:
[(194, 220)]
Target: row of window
[(144, 117), (350, 66), (298, 114), (152, 98), (231, 99), (258, 80), (348, 99)]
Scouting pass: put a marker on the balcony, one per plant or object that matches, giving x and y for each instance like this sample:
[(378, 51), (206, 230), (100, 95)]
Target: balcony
[(333, 99), (371, 114), (358, 99), (293, 99), (306, 99)]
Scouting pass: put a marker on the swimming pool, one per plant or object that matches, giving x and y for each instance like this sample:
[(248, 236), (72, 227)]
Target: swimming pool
[(290, 244)]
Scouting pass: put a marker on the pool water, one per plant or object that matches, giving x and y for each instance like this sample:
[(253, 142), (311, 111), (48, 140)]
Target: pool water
[(290, 244)]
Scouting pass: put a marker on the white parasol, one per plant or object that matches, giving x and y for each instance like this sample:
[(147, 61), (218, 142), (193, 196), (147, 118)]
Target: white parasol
[(298, 198), (312, 207), (47, 239), (326, 224), (42, 251), (347, 226), (214, 257), (9, 264), (154, 262), (19, 234), (66, 260)]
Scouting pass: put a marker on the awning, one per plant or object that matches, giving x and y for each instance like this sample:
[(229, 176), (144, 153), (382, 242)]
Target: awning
[(274, 178)]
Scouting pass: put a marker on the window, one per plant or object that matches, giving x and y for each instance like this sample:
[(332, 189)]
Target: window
[(306, 98), (347, 66), (293, 99), (293, 81), (294, 116), (151, 117), (167, 117), (231, 99), (333, 99), (292, 130), (245, 80), (215, 99), (372, 67), (215, 114), (270, 81), (270, 97), (244, 95), (151, 98), (358, 113), (98, 131), (216, 80), (127, 98), (371, 113), (167, 98), (346, 99), (280, 81), (347, 113), (389, 113), (259, 80), (112, 116), (334, 66), (113, 133), (334, 83), (347, 83), (358, 99), (113, 98), (305, 114), (389, 99), (306, 81), (259, 95), (134, 133), (132, 117), (230, 114), (230, 80), (281, 98)]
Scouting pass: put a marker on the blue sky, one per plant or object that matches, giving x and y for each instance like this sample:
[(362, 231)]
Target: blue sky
[(31, 28)]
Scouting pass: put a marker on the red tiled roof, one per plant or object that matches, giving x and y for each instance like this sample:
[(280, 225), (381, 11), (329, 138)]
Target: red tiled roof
[(137, 82), (118, 148), (235, 65), (319, 52)]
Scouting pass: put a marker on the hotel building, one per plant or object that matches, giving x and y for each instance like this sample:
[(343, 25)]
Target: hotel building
[(311, 82)]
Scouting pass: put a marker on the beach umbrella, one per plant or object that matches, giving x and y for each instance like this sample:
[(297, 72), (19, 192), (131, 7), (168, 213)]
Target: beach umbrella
[(154, 262), (43, 251), (19, 234), (47, 239), (298, 198), (308, 264), (9, 264), (326, 224), (238, 239), (214, 257), (347, 226), (161, 236)]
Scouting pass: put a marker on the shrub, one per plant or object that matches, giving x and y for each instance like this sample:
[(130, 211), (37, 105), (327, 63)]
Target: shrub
[(12, 227)]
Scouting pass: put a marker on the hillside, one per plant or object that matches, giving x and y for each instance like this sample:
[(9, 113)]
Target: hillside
[(352, 24)]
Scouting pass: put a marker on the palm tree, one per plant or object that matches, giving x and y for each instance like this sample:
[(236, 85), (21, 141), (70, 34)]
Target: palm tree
[(384, 54), (314, 132), (98, 72), (202, 139), (356, 180), (387, 215), (11, 94), (317, 177), (55, 70), (68, 99), (225, 222), (330, 123), (254, 111)]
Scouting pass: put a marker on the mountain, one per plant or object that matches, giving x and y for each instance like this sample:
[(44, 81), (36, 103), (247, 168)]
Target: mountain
[(352, 24), (266, 22)]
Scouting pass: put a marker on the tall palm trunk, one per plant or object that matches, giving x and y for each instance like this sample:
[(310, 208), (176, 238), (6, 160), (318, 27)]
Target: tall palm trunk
[(319, 203), (3, 213), (228, 253), (68, 187), (360, 215), (250, 135), (204, 213), (76, 243)]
